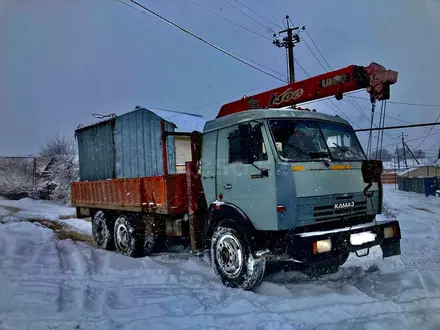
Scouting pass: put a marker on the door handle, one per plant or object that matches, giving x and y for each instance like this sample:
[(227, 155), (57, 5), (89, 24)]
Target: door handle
[(227, 186)]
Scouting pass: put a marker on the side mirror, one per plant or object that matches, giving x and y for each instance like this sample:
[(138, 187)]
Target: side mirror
[(372, 170), (246, 145)]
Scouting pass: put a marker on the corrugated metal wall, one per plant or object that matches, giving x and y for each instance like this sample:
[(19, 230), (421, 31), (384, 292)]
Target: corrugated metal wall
[(132, 149), (96, 152), (425, 186), (139, 146)]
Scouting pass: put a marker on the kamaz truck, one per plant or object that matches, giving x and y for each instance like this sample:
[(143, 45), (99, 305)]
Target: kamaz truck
[(267, 180)]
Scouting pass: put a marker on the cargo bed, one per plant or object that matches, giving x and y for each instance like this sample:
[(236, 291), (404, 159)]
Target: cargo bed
[(157, 194)]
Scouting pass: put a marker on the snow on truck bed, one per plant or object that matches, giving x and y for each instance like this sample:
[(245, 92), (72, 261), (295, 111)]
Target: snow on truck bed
[(46, 283)]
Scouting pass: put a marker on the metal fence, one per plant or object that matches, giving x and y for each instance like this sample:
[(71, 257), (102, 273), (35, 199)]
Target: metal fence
[(427, 185)]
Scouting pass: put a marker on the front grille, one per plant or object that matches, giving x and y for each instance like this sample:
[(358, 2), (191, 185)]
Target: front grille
[(328, 212)]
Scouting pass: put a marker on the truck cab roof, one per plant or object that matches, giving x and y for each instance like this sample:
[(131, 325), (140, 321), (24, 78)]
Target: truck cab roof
[(248, 115)]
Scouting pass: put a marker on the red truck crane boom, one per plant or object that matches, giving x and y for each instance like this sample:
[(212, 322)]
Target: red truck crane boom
[(374, 78)]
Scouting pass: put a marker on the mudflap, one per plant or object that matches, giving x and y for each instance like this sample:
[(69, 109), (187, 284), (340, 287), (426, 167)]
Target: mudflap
[(390, 248)]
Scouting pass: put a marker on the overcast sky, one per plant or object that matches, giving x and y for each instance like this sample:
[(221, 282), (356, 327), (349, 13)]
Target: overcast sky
[(62, 60)]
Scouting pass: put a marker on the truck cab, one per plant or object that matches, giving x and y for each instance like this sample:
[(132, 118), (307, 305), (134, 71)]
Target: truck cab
[(290, 183)]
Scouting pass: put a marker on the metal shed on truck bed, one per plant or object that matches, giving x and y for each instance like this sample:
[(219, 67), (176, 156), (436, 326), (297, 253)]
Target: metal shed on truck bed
[(126, 146), (125, 165)]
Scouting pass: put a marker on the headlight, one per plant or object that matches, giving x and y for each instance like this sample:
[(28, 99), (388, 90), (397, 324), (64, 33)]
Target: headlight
[(322, 246)]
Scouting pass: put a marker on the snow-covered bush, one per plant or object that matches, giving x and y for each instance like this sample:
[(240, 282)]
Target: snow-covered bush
[(16, 177), (63, 169)]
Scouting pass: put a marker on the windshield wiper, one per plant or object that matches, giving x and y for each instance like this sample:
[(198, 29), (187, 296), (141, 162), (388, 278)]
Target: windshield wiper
[(321, 156), (346, 150), (311, 154)]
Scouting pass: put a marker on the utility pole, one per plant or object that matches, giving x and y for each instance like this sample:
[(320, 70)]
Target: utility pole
[(404, 150), (289, 42), (398, 158), (414, 157), (34, 179)]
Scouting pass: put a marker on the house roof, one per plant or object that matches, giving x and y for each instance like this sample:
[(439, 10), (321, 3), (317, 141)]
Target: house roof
[(407, 171), (42, 163), (184, 122), (412, 169)]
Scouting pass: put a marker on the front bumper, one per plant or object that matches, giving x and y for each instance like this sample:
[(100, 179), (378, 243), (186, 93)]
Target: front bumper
[(302, 246)]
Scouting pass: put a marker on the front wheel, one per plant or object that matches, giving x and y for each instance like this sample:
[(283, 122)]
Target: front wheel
[(232, 259)]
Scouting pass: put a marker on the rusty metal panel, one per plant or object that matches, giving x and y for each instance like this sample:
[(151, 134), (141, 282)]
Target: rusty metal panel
[(139, 147), (96, 152), (158, 194)]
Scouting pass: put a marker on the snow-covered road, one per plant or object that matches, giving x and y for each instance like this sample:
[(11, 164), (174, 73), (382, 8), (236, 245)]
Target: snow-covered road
[(50, 284)]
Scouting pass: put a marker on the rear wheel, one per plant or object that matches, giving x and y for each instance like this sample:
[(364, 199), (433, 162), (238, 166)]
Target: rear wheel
[(129, 237), (102, 231), (154, 237), (232, 259)]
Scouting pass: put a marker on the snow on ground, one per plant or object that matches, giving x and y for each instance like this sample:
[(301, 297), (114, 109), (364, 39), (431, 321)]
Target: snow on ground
[(29, 208), (51, 284)]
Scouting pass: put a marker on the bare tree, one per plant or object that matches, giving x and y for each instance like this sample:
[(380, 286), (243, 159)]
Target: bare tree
[(382, 154), (420, 154), (64, 167), (58, 145)]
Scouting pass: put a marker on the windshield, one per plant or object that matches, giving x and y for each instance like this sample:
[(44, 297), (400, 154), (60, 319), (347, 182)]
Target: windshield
[(342, 142), (303, 140)]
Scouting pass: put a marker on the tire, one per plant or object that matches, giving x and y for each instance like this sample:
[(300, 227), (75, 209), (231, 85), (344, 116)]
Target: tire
[(154, 240), (102, 231), (153, 244), (129, 237), (232, 259)]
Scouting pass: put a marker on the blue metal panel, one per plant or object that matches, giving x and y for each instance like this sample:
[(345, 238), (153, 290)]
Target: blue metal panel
[(430, 186), (139, 146), (96, 152)]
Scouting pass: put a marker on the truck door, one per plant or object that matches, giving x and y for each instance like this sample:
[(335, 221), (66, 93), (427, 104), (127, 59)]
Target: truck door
[(242, 184)]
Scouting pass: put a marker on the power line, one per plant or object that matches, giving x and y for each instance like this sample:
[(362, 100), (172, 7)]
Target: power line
[(333, 106), (395, 127), (412, 140), (326, 98), (394, 118), (228, 20), (307, 32), (435, 144), (215, 102), (313, 53), (351, 101), (175, 111), (242, 60), (359, 109), (436, 121), (302, 68), (403, 103), (250, 17), (253, 11)]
